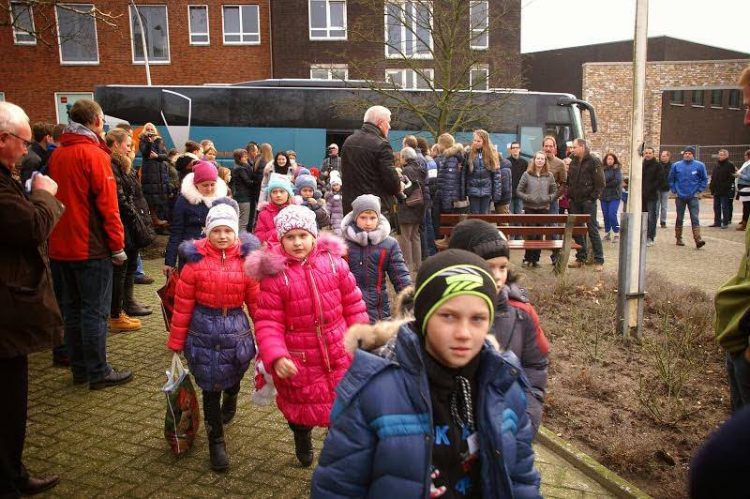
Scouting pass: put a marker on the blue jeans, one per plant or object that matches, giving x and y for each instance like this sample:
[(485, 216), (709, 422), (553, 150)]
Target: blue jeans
[(516, 205), (139, 268), (479, 206), (738, 370), (693, 206), (722, 210), (609, 210), (588, 208), (87, 296), (653, 212), (661, 205)]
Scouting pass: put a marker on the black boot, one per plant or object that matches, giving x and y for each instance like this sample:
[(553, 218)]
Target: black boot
[(229, 405), (132, 307), (217, 449), (303, 444)]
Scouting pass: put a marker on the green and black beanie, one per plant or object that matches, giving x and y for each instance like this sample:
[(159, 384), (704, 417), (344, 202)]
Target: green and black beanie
[(479, 237), (448, 274)]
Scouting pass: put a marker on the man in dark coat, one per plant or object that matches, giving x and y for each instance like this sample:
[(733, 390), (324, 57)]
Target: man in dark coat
[(518, 166), (367, 162), (31, 317), (722, 189), (585, 186), (653, 180)]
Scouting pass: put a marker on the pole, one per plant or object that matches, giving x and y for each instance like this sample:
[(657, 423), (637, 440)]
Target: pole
[(143, 42), (632, 286)]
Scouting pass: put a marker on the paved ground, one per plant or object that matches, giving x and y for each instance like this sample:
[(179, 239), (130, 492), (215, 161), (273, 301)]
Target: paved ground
[(110, 443)]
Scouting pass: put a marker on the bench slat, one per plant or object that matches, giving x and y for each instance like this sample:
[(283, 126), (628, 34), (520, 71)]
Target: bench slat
[(452, 219), (513, 230)]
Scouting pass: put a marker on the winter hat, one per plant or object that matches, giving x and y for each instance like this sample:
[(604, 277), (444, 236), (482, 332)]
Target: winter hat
[(295, 217), (481, 238), (690, 149), (365, 202), (278, 181), (315, 172), (448, 274), (335, 178), (224, 211), (305, 181), (204, 171)]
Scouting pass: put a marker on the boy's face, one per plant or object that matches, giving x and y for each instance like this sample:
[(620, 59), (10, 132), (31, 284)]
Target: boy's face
[(206, 188), (499, 268), (298, 243), (279, 196), (456, 331), (367, 221), (306, 192), (222, 237)]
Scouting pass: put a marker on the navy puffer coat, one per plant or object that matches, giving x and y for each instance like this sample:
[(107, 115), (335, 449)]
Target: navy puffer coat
[(372, 255), (451, 178), (480, 182)]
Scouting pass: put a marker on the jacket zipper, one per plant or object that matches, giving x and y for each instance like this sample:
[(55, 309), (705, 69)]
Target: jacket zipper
[(319, 319), (223, 258)]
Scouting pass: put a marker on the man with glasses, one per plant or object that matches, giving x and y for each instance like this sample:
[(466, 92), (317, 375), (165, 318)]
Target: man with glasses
[(31, 319), (518, 166)]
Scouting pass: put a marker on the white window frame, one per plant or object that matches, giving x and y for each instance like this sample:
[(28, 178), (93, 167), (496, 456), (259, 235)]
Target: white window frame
[(413, 74), (140, 43), (190, 26), (223, 24), (401, 49), (59, 40), (330, 68), (17, 31), (476, 32), (480, 67), (328, 27)]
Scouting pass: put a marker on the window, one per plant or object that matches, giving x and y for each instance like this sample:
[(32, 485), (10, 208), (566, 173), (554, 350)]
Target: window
[(241, 24), (696, 98), (198, 19), (408, 29), (479, 12), (410, 79), (154, 20), (734, 99), (479, 77), (329, 72), (716, 96), (23, 23), (2, 96), (327, 19), (677, 98), (76, 33)]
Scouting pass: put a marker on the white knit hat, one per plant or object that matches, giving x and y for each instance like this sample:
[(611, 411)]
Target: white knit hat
[(295, 217), (224, 211)]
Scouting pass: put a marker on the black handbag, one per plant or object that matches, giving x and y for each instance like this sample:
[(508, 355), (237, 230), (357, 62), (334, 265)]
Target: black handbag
[(416, 198), (139, 223)]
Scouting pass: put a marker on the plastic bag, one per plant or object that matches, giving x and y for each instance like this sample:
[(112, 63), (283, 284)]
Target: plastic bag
[(265, 390), (182, 418)]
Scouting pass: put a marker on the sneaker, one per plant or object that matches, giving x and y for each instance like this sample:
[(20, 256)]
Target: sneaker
[(112, 379), (124, 323), (143, 279), (650, 243), (715, 225), (725, 226)]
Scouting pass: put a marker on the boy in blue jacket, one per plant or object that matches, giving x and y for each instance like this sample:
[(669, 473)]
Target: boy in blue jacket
[(436, 411)]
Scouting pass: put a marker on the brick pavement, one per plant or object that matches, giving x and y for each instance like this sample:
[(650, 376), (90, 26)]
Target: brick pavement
[(109, 443)]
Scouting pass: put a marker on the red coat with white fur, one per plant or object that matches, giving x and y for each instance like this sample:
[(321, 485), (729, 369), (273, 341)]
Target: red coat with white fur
[(304, 310)]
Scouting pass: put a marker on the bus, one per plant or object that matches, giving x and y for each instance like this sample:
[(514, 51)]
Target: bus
[(308, 115)]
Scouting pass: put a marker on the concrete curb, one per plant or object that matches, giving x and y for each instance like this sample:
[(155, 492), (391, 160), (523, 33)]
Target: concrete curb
[(615, 484)]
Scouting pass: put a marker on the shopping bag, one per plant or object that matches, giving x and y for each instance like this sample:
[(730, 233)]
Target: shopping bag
[(166, 296), (265, 390), (182, 418)]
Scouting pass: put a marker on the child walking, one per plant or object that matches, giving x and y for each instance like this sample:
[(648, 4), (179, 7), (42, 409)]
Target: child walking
[(308, 299), (335, 202), (280, 194), (373, 253), (209, 323)]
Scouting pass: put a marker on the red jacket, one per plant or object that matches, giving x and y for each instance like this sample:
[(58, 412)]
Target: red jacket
[(91, 227), (265, 229), (304, 309)]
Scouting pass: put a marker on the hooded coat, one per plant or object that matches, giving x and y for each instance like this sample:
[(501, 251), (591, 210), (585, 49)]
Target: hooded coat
[(209, 323), (335, 203), (189, 215), (155, 171), (481, 182), (265, 229), (451, 178), (304, 309), (372, 256)]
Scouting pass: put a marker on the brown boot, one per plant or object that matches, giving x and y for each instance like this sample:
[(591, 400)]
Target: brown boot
[(124, 323), (741, 226), (699, 243), (678, 235)]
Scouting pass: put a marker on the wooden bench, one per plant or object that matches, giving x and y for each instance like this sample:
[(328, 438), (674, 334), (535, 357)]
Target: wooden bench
[(565, 226)]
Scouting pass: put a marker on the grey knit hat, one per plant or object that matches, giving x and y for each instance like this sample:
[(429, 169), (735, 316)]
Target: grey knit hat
[(365, 202), (224, 211)]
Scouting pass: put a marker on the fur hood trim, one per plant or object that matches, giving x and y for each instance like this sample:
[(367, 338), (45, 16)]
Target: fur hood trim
[(194, 250), (265, 262), (454, 150), (191, 193), (377, 236), (332, 244)]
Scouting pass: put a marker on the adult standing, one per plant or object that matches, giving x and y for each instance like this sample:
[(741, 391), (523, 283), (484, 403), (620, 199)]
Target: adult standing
[(504, 196), (86, 243), (537, 189), (483, 180), (367, 162), (559, 170), (722, 189), (36, 159), (687, 180), (28, 325), (518, 167), (332, 162), (585, 185), (411, 217), (611, 196), (155, 174), (743, 190), (253, 155), (653, 180), (665, 161)]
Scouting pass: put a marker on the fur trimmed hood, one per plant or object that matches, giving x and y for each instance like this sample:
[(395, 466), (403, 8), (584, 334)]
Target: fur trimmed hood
[(194, 250), (266, 262), (454, 150), (377, 236), (191, 193)]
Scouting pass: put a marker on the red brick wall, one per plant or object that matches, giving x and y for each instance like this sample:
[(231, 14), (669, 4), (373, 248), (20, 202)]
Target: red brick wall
[(30, 75)]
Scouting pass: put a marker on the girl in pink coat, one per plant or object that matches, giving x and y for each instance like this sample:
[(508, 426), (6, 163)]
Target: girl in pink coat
[(280, 195), (308, 299)]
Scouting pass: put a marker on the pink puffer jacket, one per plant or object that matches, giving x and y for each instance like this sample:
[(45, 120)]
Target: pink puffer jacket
[(265, 229), (304, 310)]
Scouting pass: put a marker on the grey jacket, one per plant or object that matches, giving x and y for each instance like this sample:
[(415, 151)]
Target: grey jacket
[(537, 192)]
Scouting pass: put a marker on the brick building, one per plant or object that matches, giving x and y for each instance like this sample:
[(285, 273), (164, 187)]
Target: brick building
[(188, 43)]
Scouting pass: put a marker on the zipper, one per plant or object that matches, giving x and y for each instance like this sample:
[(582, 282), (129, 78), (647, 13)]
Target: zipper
[(319, 319), (223, 259)]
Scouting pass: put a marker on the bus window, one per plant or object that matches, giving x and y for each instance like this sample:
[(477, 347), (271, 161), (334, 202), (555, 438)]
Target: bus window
[(531, 140), (175, 108)]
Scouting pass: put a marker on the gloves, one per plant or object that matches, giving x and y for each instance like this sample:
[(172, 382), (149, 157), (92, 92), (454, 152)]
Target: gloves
[(119, 256)]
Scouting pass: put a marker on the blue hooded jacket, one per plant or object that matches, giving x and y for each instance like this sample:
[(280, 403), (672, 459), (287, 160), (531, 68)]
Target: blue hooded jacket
[(381, 435), (688, 178)]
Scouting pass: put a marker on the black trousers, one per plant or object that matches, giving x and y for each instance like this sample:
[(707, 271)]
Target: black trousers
[(15, 373), (119, 274)]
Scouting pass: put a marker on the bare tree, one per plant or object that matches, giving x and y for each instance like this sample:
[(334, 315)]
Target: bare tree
[(453, 50), (18, 15)]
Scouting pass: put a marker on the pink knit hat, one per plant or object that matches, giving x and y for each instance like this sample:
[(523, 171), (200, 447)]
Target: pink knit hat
[(203, 171)]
